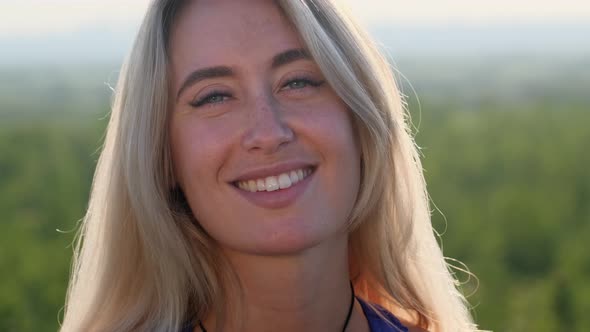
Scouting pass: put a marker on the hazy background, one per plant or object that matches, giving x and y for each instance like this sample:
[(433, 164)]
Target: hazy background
[(499, 92)]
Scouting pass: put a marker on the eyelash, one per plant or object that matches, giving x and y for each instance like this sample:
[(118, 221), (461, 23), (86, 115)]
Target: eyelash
[(307, 81), (207, 99)]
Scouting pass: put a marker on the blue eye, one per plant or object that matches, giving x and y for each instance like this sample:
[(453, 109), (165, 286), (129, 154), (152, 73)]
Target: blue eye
[(215, 97), (300, 83), (297, 84)]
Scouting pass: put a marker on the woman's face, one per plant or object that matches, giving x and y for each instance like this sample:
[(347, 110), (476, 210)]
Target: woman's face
[(262, 147)]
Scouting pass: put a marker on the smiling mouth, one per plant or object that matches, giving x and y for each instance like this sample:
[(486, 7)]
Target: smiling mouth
[(276, 182)]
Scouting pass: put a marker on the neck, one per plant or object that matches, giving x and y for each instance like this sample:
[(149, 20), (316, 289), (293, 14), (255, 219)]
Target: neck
[(307, 291)]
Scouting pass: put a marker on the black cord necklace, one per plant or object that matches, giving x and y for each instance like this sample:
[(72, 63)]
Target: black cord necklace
[(203, 329)]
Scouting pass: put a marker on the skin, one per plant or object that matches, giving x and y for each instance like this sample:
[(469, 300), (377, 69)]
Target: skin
[(292, 261)]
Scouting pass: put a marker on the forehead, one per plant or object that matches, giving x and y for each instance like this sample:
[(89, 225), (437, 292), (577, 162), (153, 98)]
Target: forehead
[(213, 32)]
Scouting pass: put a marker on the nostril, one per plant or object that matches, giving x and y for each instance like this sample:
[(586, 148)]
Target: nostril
[(267, 131), (267, 140)]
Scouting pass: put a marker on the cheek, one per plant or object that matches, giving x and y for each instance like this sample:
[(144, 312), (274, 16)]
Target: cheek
[(330, 131), (331, 127), (198, 150)]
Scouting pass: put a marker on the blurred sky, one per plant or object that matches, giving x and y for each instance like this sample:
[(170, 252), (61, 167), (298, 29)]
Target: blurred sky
[(105, 28), (41, 17)]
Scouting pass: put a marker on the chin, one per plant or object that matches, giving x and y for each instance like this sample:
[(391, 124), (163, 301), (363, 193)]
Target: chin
[(280, 244), (288, 247)]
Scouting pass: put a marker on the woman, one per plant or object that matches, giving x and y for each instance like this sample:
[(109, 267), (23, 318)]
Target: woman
[(258, 174)]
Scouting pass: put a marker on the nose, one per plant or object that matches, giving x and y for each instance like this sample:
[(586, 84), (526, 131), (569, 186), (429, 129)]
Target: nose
[(266, 129)]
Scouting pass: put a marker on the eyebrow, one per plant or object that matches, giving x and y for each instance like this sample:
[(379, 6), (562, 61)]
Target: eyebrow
[(203, 74), (278, 60), (289, 56)]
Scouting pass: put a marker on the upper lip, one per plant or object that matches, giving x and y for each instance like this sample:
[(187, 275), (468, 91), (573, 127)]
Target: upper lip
[(271, 170)]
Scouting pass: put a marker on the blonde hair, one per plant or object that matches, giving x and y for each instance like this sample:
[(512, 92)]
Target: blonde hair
[(143, 263)]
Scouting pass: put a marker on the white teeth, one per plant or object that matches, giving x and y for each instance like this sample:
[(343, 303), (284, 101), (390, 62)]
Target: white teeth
[(284, 181), (272, 183), (293, 177), (260, 184)]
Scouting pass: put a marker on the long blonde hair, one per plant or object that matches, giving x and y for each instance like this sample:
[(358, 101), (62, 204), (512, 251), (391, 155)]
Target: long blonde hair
[(143, 263)]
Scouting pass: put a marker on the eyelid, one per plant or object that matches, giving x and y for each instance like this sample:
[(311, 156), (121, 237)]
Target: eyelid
[(202, 101), (312, 79)]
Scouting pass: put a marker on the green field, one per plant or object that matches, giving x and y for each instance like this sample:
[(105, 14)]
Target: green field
[(505, 151)]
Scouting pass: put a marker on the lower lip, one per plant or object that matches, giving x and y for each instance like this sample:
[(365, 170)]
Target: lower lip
[(279, 198)]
